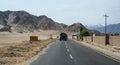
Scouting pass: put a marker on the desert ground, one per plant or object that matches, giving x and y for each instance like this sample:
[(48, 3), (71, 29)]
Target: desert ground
[(17, 47), (13, 38), (24, 53)]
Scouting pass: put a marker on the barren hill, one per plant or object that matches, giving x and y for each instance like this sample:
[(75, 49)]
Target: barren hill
[(22, 21)]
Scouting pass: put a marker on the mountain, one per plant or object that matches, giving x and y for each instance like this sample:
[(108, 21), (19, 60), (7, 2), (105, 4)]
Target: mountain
[(22, 21), (112, 28), (92, 27), (75, 27)]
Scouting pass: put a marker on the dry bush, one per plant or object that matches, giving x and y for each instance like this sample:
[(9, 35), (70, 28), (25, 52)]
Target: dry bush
[(17, 54)]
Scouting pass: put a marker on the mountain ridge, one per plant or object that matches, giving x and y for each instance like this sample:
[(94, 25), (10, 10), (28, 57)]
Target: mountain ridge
[(111, 28), (22, 21)]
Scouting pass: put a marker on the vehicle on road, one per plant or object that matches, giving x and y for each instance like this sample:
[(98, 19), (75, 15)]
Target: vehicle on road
[(63, 37)]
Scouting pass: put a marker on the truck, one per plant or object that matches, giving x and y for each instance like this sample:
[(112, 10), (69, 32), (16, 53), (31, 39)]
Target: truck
[(63, 37)]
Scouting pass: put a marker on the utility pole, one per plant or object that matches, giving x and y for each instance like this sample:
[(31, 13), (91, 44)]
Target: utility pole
[(106, 16), (106, 39)]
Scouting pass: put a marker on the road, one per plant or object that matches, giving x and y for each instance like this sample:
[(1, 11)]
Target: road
[(72, 53)]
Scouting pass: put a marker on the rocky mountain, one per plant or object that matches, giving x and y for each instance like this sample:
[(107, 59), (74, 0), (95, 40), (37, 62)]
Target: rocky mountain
[(112, 28), (22, 21), (75, 27)]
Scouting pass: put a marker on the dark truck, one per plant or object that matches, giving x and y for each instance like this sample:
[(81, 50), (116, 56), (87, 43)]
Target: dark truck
[(63, 36)]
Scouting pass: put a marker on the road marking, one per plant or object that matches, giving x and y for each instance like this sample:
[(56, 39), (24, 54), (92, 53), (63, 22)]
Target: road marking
[(68, 50), (71, 56), (66, 47)]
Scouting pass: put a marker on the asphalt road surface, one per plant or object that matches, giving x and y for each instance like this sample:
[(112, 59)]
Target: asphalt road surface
[(71, 53)]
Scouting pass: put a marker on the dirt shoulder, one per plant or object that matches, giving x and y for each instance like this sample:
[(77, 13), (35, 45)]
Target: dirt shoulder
[(112, 52), (24, 53)]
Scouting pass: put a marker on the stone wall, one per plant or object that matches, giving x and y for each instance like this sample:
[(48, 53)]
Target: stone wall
[(113, 40), (99, 39), (87, 39)]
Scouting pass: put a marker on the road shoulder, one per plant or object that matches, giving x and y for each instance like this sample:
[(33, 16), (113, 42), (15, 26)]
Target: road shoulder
[(110, 54)]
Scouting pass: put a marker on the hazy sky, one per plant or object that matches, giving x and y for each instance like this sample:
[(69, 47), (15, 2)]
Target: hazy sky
[(88, 12)]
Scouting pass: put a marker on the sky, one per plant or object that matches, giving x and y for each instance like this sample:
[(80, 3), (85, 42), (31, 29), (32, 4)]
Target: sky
[(87, 12)]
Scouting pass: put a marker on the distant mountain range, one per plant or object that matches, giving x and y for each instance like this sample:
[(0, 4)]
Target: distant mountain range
[(93, 27), (22, 21), (112, 28)]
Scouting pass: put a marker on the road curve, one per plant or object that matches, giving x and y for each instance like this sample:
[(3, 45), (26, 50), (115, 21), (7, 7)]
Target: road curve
[(71, 53)]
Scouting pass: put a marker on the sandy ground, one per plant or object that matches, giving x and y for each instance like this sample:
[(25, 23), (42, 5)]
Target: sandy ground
[(7, 39), (13, 38), (24, 53), (15, 48), (112, 52)]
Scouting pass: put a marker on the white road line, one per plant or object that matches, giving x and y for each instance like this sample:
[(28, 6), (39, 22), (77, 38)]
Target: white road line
[(71, 56), (66, 47), (68, 50)]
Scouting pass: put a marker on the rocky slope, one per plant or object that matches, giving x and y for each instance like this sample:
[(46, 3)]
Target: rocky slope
[(75, 27), (22, 21)]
